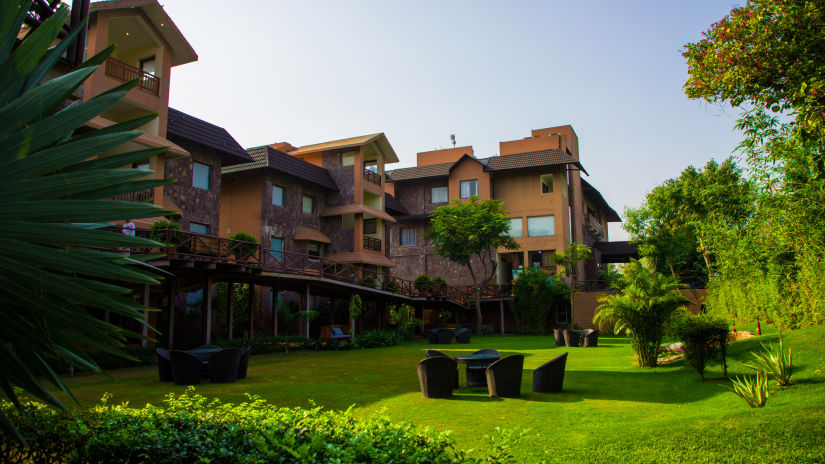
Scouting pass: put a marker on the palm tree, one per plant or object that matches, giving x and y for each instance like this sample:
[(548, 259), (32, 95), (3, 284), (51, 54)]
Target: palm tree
[(643, 308), (57, 259)]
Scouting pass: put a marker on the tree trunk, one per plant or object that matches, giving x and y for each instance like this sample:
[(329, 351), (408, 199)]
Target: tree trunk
[(478, 309)]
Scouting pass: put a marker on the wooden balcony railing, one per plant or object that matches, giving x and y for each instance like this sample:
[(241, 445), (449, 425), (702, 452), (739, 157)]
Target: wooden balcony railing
[(125, 72), (372, 243), (594, 227), (141, 195), (372, 177)]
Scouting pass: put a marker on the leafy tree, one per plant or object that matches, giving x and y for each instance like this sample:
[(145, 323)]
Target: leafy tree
[(403, 317), (470, 229), (770, 53), (642, 309), (570, 258), (289, 312), (534, 294), (54, 244)]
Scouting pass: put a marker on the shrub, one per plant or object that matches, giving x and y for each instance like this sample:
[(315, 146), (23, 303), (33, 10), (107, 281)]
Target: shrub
[(368, 281), (438, 284), (534, 294), (245, 246), (423, 282), (775, 363), (190, 426), (158, 232), (275, 344), (405, 321), (390, 286), (378, 339), (705, 339), (754, 392)]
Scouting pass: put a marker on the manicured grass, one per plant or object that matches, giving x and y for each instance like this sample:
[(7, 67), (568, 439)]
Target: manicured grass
[(610, 410)]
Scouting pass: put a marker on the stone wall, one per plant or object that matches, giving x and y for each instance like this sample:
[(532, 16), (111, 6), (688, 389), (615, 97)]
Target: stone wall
[(195, 204), (281, 221)]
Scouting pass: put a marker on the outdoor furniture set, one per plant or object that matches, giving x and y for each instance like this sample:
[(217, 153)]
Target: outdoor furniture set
[(438, 374), (572, 338), (187, 367), (445, 336)]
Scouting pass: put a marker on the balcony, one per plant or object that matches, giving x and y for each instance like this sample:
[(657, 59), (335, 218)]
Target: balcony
[(372, 177), (146, 195), (125, 72), (372, 243), (594, 227)]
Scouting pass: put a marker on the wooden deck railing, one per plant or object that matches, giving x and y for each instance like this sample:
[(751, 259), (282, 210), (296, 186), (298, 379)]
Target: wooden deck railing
[(126, 72), (372, 243), (372, 177), (140, 195)]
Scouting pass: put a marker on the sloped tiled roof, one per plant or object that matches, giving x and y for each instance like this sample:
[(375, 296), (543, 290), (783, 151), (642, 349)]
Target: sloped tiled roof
[(393, 205), (268, 157), (594, 196), (617, 252), (420, 172), (180, 124)]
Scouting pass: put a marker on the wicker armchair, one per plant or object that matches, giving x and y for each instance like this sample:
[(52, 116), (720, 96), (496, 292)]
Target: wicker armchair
[(186, 369), (462, 335), (445, 336), (549, 377), (571, 338), (436, 376), (475, 372), (244, 364), (164, 364), (223, 365), (504, 376), (432, 336), (591, 338), (434, 353), (559, 336)]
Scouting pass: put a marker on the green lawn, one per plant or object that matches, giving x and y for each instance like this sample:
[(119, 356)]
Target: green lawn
[(610, 411)]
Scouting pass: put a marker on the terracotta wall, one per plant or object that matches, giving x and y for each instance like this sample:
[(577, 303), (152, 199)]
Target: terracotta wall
[(466, 170), (241, 203), (585, 304), (446, 155), (196, 204)]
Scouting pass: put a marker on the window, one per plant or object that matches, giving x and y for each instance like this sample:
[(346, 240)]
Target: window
[(142, 166), (199, 228), (541, 258), (276, 247), (370, 226), (313, 251), (147, 65), (438, 194), (200, 175), (547, 183), (277, 195), (407, 236), (348, 158), (539, 226), (561, 314), (469, 188), (194, 301), (308, 204), (371, 166), (515, 227)]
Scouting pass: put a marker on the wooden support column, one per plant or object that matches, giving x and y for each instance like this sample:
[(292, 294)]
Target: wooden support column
[(230, 316), (351, 320), (144, 331), (308, 305), (207, 310), (173, 290), (274, 308), (501, 311), (251, 313)]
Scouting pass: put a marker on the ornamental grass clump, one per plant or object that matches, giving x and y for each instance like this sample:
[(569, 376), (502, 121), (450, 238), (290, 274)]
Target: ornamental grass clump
[(774, 362), (753, 390)]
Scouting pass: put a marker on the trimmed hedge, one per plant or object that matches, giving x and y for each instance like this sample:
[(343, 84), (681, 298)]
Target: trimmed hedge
[(191, 428)]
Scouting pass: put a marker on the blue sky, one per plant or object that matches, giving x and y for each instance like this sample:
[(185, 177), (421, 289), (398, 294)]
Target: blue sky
[(312, 71)]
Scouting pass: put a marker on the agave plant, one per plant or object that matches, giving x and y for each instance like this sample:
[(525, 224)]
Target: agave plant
[(753, 391), (57, 259), (775, 362)]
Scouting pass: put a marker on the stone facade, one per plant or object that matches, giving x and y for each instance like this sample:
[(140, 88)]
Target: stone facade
[(344, 177), (281, 221), (195, 204)]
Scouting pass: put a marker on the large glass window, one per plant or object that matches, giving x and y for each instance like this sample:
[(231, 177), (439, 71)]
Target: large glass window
[(276, 247), (308, 204), (277, 195), (547, 183), (199, 228), (407, 236), (370, 226), (438, 194), (200, 175), (515, 227), (469, 188), (539, 226)]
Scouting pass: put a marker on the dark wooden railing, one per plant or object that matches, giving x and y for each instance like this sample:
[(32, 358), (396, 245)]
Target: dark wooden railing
[(372, 177), (126, 72), (140, 195), (372, 243)]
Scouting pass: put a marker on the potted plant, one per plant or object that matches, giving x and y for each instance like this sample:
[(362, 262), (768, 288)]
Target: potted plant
[(423, 284), (244, 246), (170, 233), (368, 281), (438, 284), (390, 286)]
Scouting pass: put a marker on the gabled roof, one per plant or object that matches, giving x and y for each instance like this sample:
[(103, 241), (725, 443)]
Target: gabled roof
[(185, 126), (380, 140), (420, 172), (597, 199), (394, 206), (466, 157), (266, 157)]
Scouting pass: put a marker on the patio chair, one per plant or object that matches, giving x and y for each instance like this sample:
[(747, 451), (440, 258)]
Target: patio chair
[(549, 377), (209, 347), (164, 364), (504, 376), (559, 336), (571, 338), (242, 366), (591, 338), (434, 353), (462, 335), (223, 365), (436, 376), (186, 368), (475, 372), (432, 336), (338, 334), (445, 336)]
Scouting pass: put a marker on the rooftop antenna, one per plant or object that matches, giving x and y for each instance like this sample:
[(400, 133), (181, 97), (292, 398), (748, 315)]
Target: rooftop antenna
[(452, 137)]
